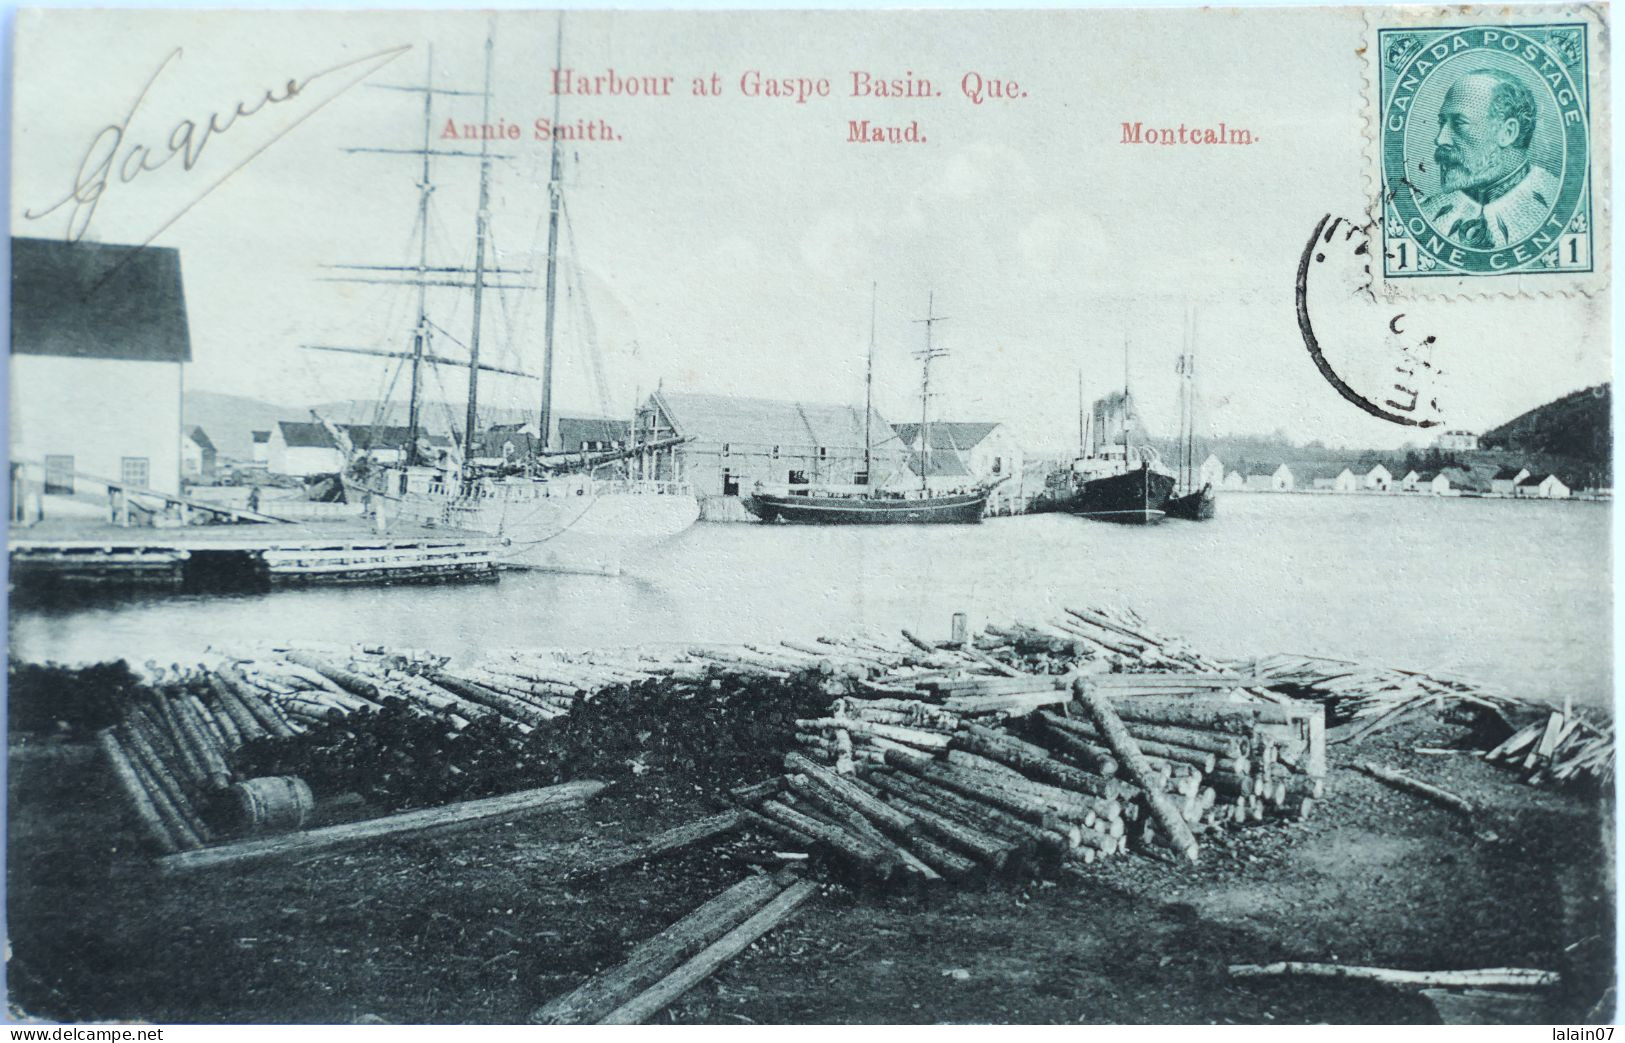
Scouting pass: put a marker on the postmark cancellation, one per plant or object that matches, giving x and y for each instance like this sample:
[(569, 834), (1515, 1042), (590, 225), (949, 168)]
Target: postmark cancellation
[(1489, 151)]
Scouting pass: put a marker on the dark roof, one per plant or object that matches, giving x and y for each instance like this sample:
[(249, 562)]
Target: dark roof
[(948, 434), (1461, 477), (1507, 474), (575, 430), (304, 434), (262, 436), (1536, 479), (97, 301), (196, 434), (760, 421), (943, 465)]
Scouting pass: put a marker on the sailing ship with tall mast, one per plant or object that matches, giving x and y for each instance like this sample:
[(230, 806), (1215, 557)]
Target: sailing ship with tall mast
[(863, 504), (551, 507), (1187, 501)]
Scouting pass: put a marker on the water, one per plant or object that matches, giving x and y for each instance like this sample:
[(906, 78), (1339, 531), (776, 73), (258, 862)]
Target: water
[(1516, 592)]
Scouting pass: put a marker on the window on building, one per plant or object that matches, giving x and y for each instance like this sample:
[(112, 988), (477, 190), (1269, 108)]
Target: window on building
[(861, 478), (823, 452), (998, 465), (726, 448), (798, 478), (59, 475), (730, 483), (135, 471), (775, 452)]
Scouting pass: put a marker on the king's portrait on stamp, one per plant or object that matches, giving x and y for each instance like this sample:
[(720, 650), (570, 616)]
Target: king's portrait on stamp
[(1491, 194), (1486, 151)]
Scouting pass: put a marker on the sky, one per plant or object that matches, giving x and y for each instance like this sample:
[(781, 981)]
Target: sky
[(734, 243)]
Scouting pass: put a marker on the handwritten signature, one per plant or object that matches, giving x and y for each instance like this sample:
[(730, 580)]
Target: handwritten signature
[(112, 158)]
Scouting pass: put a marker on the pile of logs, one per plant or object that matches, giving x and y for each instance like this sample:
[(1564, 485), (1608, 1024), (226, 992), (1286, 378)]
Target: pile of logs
[(1551, 746), (1559, 748), (974, 775), (998, 732)]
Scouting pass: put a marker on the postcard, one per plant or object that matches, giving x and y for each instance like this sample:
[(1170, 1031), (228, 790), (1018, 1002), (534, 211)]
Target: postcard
[(805, 517)]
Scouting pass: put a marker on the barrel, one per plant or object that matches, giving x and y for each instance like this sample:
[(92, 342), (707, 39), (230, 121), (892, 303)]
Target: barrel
[(273, 803)]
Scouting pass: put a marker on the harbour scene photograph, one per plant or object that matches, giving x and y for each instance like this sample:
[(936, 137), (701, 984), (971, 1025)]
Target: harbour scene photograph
[(808, 518)]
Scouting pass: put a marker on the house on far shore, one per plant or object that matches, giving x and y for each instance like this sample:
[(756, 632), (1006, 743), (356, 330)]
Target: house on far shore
[(1543, 486), (1453, 441), (304, 448), (1505, 482), (1408, 483), (1331, 479), (1457, 480), (197, 456), (1378, 479), (1279, 480), (1235, 481), (1211, 472)]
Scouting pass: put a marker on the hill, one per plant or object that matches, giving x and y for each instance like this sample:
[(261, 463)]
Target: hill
[(1577, 427), (229, 420)]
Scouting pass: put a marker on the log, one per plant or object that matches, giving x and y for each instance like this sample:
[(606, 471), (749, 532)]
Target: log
[(567, 794), (661, 843), (1386, 719), (346, 679), (980, 815), (138, 793), (773, 825), (507, 705), (188, 829), (1399, 780), (1489, 977), (169, 793), (1210, 715), (845, 816), (975, 819), (655, 958), (880, 863), (756, 791), (245, 722), (655, 999), (963, 759), (980, 846), (1128, 753), (841, 789), (195, 733), (1202, 760), (944, 861)]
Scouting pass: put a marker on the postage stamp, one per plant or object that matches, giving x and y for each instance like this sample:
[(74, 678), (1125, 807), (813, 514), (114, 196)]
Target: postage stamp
[(1487, 157)]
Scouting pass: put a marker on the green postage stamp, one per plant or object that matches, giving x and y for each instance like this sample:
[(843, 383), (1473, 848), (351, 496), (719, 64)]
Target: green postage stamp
[(1486, 147)]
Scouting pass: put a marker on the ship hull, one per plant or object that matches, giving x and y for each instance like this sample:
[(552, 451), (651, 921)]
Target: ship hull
[(1132, 498), (573, 525), (1200, 505), (956, 509)]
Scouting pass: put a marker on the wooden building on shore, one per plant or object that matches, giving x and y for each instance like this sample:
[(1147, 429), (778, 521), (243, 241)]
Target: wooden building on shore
[(734, 443), (99, 342)]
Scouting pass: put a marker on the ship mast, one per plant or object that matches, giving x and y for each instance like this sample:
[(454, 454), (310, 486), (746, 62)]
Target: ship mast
[(420, 332), (925, 356), (869, 392), (482, 226), (554, 201)]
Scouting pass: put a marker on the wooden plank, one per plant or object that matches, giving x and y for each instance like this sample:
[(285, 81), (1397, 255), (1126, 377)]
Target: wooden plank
[(660, 843), (655, 999), (329, 837), (1493, 977), (655, 958)]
